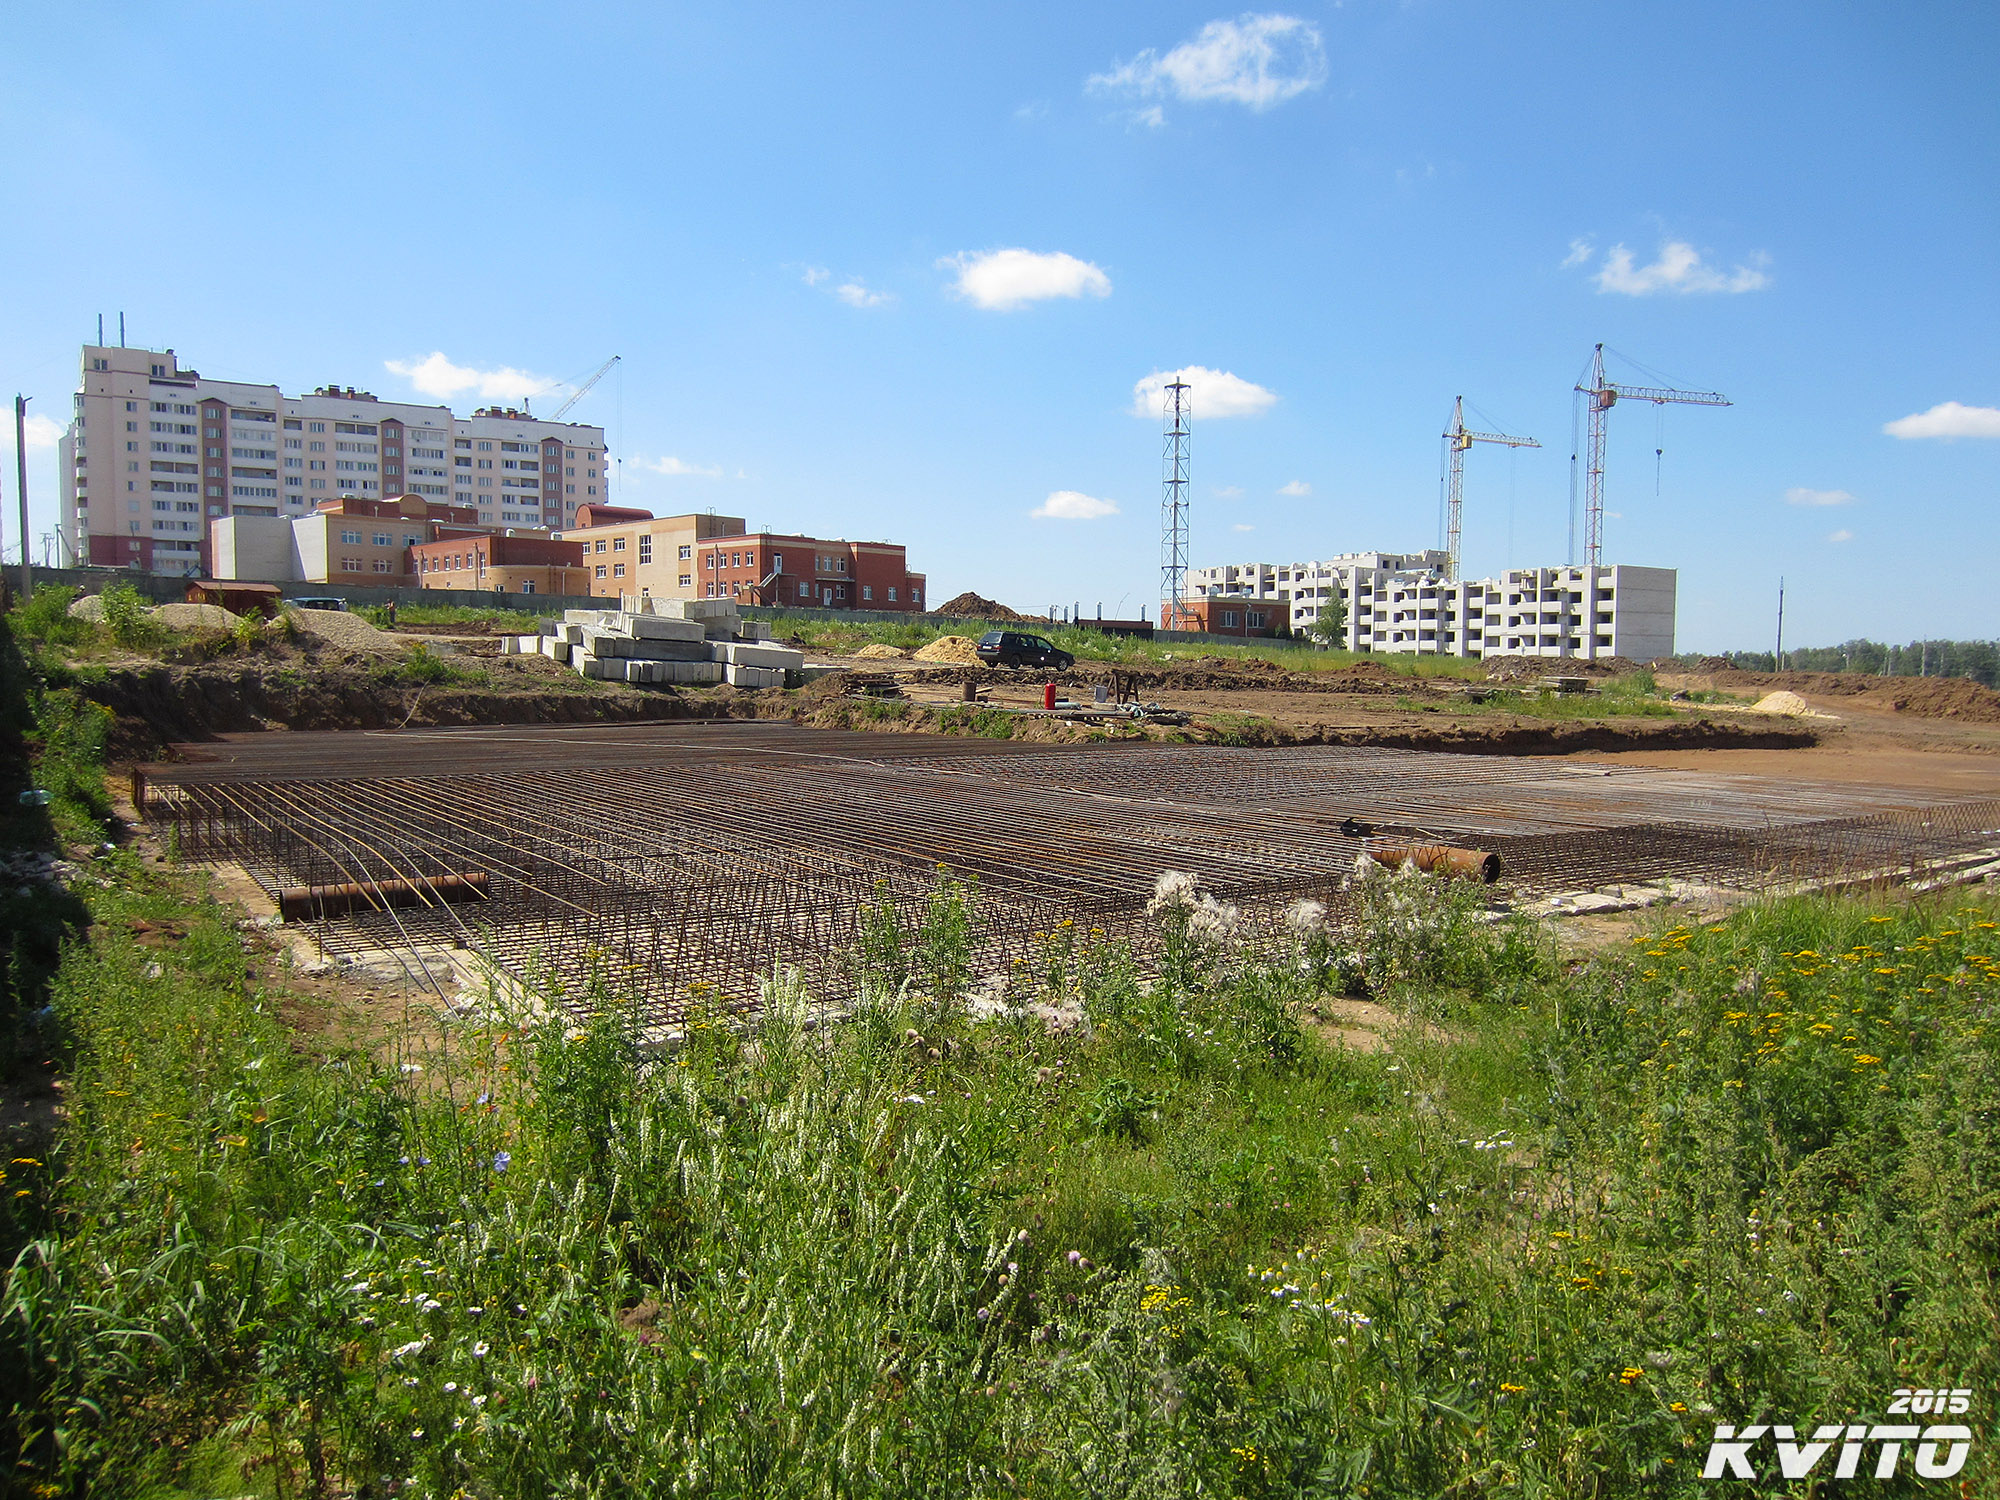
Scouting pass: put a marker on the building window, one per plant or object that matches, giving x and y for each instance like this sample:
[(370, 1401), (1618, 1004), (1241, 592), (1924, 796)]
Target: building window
[(687, 580), (892, 593), (867, 591), (350, 565), (686, 553), (618, 544), (351, 538), (382, 539), (645, 549), (600, 570), (528, 586), (618, 570), (381, 565)]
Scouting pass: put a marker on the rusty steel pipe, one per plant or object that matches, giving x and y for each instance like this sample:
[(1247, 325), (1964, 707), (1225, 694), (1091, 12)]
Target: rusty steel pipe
[(1442, 859), (309, 902)]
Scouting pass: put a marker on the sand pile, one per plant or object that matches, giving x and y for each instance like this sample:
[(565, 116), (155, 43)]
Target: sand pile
[(1787, 703), (952, 648), (89, 607), (196, 617), (880, 652), (348, 632)]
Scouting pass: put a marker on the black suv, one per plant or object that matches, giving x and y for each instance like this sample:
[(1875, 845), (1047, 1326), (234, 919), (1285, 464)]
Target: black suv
[(1010, 648)]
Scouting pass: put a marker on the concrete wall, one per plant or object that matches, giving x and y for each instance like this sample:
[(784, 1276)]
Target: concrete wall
[(256, 547), (1644, 618)]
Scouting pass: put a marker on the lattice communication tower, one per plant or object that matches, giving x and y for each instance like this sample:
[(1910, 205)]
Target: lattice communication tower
[(1175, 412)]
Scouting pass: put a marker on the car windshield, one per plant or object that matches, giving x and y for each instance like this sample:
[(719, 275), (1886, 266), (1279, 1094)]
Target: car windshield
[(1039, 644)]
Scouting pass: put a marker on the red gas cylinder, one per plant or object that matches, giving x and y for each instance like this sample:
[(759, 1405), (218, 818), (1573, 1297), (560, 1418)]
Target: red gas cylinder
[(1049, 695)]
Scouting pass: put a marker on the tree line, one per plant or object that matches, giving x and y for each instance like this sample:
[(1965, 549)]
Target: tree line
[(1979, 660)]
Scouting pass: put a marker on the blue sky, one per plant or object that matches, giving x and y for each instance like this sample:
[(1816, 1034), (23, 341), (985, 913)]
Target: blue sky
[(793, 222)]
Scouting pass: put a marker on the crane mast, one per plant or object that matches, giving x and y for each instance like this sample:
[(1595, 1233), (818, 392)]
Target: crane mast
[(1600, 396), (1458, 439)]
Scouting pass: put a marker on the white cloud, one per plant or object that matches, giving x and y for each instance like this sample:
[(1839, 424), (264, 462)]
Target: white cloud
[(1152, 117), (1818, 497), (1001, 280), (854, 294), (1073, 505), (1215, 394), (814, 275), (40, 432), (1678, 268), (1840, 536), (1255, 61), (1230, 492), (1298, 489), (675, 468), (1242, 526), (1580, 252), (1948, 420), (439, 378)]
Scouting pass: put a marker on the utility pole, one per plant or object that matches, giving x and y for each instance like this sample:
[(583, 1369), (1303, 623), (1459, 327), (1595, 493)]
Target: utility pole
[(1778, 656), (21, 483)]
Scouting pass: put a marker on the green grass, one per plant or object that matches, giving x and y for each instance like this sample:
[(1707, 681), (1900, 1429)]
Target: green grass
[(506, 621), (1573, 1216)]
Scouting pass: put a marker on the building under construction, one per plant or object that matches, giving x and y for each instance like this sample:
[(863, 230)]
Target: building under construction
[(667, 861)]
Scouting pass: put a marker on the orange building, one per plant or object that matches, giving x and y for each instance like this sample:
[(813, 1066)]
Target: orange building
[(506, 563)]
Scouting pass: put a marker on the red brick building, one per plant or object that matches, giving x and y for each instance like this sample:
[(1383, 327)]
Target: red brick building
[(503, 563)]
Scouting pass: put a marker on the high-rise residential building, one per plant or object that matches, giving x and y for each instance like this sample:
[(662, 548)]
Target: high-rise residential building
[(156, 452), (1402, 603)]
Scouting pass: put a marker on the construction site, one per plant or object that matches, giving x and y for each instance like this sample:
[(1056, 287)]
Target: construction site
[(682, 864)]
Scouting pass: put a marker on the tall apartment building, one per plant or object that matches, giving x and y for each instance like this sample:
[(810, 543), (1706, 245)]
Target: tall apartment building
[(1400, 602), (156, 452)]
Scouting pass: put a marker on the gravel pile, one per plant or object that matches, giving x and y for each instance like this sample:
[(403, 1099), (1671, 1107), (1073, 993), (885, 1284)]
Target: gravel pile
[(348, 632), (880, 652), (89, 607), (196, 617)]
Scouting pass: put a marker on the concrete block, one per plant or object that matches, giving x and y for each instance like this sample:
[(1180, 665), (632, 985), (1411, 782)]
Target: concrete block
[(756, 677), (753, 630), (585, 616), (695, 650), (658, 628), (748, 654), (607, 643), (647, 672), (570, 631), (556, 650), (531, 645), (694, 673), (602, 669)]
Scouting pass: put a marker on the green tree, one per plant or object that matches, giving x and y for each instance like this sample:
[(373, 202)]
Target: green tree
[(1329, 626)]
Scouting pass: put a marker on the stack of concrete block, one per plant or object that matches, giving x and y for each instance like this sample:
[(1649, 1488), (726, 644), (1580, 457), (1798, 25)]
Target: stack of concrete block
[(693, 642)]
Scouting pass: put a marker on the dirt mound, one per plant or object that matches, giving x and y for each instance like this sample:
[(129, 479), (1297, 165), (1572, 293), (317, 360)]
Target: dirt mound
[(952, 648), (1535, 668), (196, 617), (348, 632), (89, 607), (880, 652), (1921, 697), (971, 606)]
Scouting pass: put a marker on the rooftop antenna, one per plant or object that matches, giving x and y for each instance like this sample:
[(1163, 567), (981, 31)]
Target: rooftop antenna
[(121, 330), (100, 330), (1174, 505)]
